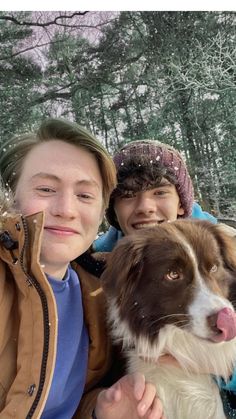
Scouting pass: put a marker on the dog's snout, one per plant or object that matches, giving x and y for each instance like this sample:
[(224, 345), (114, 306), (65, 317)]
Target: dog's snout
[(222, 324), (212, 322)]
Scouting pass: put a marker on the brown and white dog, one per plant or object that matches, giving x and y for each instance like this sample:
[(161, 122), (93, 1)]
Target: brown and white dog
[(170, 290)]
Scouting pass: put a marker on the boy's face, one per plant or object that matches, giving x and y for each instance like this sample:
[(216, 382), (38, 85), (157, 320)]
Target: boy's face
[(64, 181), (148, 208)]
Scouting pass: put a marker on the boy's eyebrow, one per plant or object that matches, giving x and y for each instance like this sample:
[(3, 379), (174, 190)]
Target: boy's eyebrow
[(44, 175), (164, 182)]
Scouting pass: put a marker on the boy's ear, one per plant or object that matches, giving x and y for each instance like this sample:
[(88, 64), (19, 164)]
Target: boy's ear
[(102, 215), (180, 210)]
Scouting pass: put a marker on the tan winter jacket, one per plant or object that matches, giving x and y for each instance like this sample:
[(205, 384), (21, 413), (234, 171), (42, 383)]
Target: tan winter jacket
[(28, 324)]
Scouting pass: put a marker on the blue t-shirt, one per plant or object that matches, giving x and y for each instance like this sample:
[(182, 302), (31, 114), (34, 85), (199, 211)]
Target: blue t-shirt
[(72, 349)]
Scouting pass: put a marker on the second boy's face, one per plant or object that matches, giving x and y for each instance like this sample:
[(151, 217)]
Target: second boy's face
[(64, 181), (148, 208)]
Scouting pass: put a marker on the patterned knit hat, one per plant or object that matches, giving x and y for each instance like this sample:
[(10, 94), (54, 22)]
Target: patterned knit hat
[(142, 164)]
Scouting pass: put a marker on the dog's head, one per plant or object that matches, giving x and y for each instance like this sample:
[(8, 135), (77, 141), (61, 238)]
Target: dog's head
[(181, 273)]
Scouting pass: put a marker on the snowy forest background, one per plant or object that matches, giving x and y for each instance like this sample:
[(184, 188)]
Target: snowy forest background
[(130, 75)]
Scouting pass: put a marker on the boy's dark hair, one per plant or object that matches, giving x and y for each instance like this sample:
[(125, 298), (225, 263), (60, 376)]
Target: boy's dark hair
[(141, 165)]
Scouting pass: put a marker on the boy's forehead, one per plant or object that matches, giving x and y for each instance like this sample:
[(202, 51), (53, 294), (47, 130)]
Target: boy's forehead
[(137, 184)]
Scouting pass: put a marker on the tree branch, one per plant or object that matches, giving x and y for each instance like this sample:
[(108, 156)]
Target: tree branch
[(43, 25)]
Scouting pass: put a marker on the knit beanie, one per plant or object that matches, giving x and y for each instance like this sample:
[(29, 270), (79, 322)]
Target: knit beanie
[(159, 160)]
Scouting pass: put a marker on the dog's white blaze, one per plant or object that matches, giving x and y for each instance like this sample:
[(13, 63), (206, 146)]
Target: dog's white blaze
[(205, 301), (204, 304)]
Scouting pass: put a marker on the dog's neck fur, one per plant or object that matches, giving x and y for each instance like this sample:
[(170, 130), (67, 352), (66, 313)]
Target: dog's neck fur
[(184, 396), (194, 355), (191, 384)]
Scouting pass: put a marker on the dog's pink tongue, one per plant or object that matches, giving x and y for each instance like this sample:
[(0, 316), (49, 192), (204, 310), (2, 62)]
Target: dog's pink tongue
[(226, 323)]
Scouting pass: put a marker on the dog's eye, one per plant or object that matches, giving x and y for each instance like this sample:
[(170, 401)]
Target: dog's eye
[(213, 269), (173, 275)]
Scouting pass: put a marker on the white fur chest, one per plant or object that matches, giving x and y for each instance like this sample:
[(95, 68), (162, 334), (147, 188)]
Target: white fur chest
[(183, 397), (185, 392)]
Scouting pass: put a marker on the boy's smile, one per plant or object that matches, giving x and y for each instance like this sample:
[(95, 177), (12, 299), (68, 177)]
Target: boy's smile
[(146, 209)]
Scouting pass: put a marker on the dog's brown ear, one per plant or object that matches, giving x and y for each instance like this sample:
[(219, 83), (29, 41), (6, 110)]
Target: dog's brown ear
[(123, 264), (226, 236)]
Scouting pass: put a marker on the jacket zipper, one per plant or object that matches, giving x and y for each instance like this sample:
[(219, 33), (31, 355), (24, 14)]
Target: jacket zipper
[(33, 282)]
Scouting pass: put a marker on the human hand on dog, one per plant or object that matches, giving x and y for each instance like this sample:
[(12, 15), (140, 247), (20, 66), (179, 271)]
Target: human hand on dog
[(130, 397)]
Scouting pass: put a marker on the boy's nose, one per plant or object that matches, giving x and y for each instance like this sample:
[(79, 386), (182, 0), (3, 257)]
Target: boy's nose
[(145, 205), (65, 206)]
